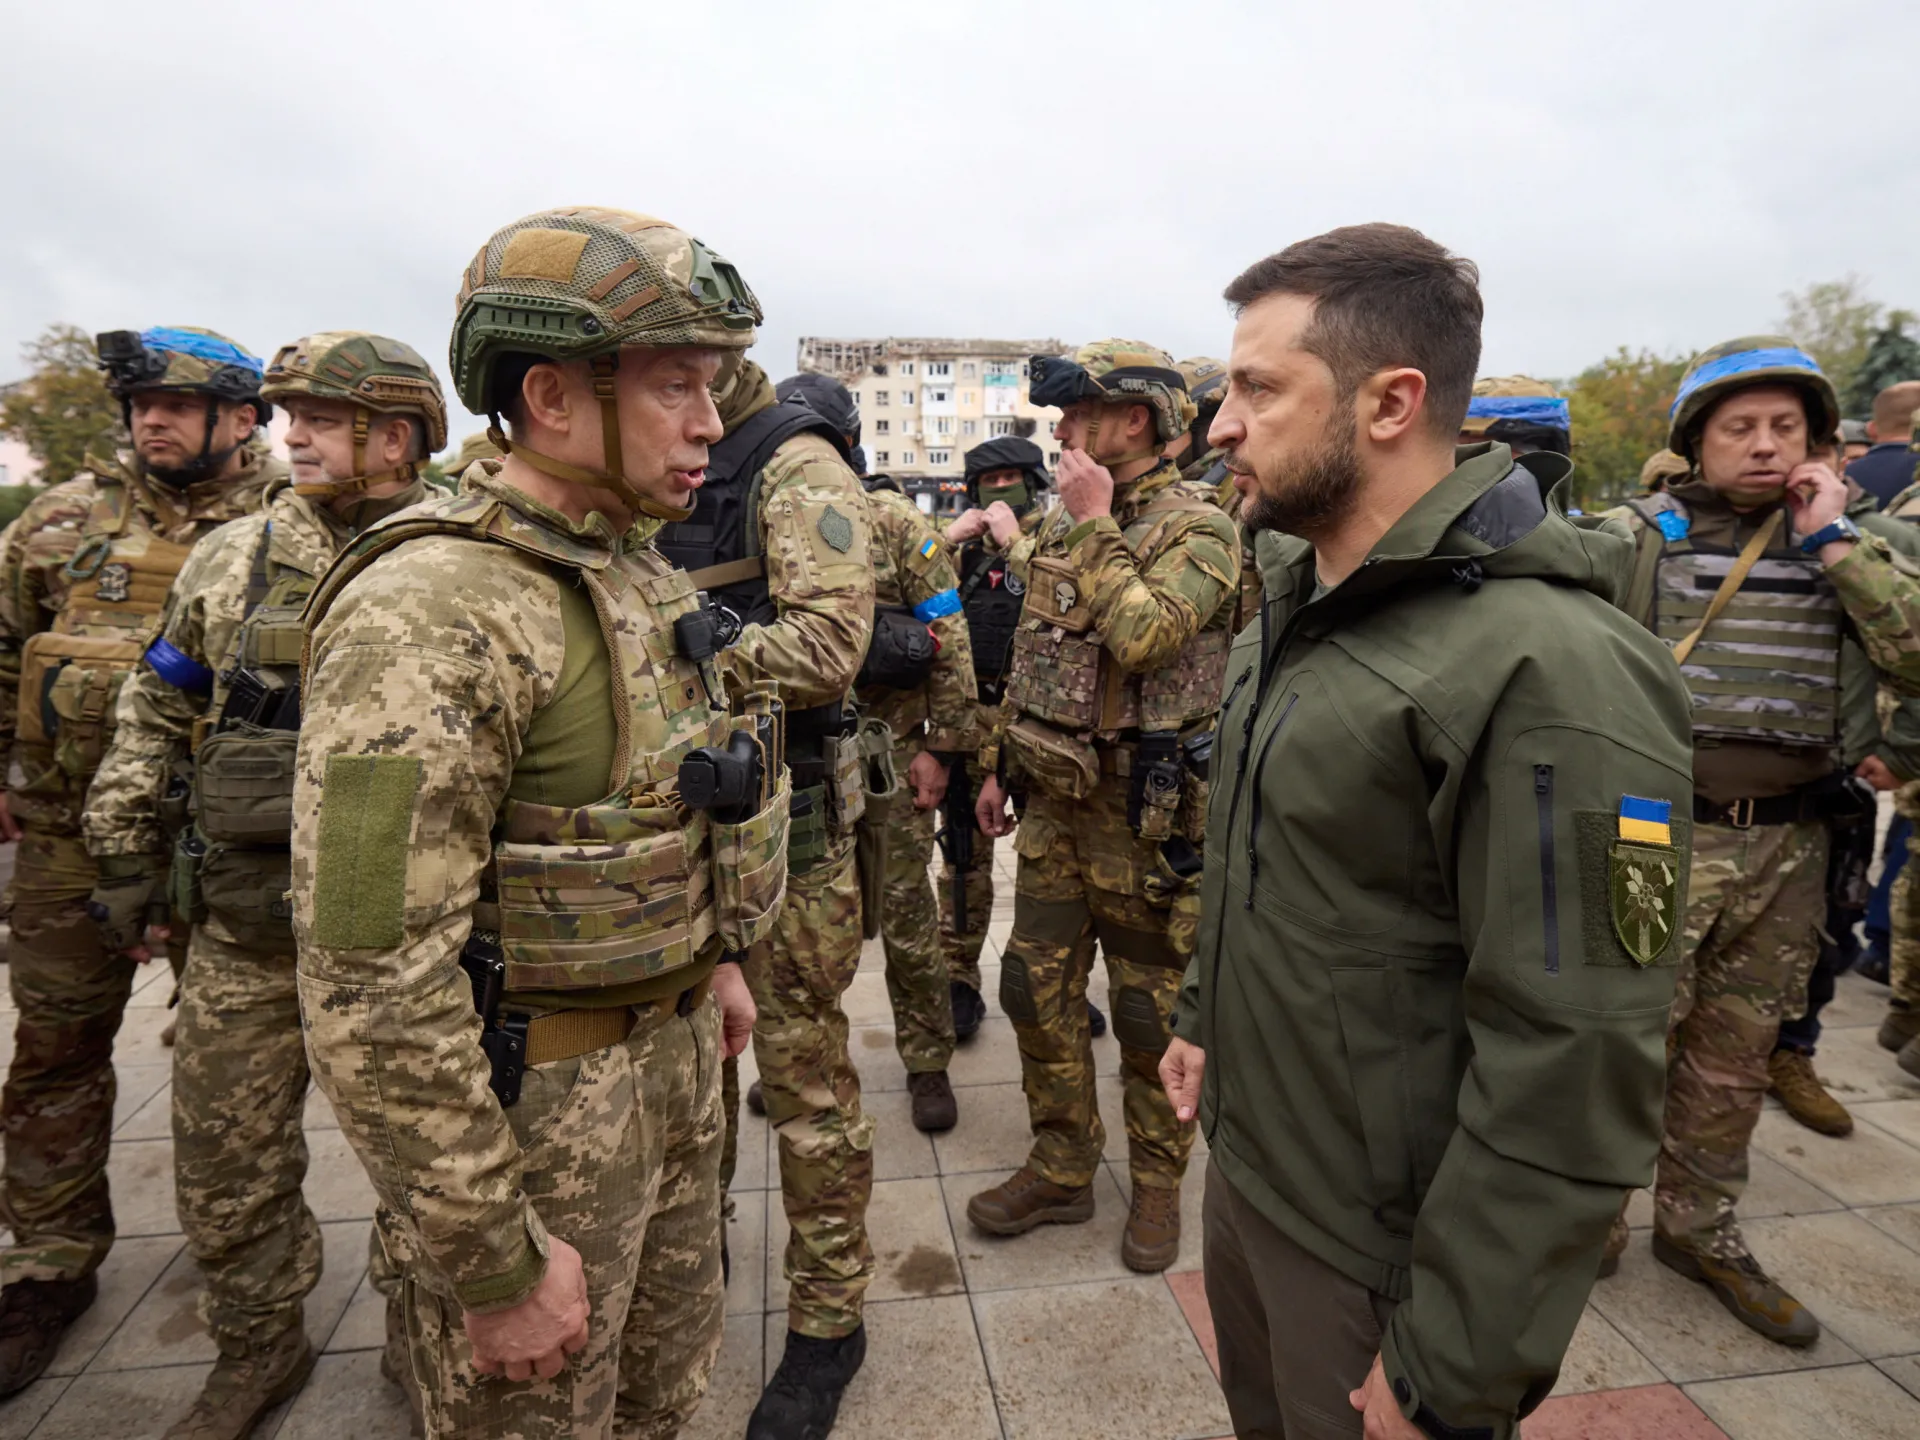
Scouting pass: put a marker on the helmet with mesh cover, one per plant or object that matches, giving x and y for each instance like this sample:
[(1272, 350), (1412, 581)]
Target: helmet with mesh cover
[(1740, 365), (375, 375), (578, 283), (1115, 372)]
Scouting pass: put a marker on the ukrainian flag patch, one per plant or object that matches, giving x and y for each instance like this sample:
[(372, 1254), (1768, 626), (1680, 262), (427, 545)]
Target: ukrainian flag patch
[(1650, 822), (928, 548)]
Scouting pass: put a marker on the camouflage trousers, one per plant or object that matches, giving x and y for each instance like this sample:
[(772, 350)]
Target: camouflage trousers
[(622, 1161), (962, 946), (812, 1093), (1757, 898), (1903, 920), (910, 931), (1085, 875), (239, 1155)]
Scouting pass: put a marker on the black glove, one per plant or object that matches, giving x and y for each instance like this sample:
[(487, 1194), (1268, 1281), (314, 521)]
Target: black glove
[(130, 895)]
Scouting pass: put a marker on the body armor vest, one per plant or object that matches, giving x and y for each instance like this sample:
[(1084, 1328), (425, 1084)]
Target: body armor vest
[(71, 673), (622, 891), (991, 597), (1768, 668), (1062, 673)]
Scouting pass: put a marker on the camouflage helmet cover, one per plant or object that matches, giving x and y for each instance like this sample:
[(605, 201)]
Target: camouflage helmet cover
[(475, 447), (181, 357), (1206, 380), (579, 282), (1117, 372), (373, 372), (1742, 364), (1513, 397)]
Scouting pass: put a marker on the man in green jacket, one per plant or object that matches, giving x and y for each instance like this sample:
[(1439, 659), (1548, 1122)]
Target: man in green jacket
[(1445, 851)]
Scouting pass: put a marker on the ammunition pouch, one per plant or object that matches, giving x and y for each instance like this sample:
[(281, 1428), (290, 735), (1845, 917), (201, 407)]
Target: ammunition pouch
[(183, 880), (248, 891), (68, 687), (881, 796), (807, 838), (846, 785), (901, 653), (1197, 759), (750, 871), (175, 809), (244, 784), (1063, 766), (1153, 798)]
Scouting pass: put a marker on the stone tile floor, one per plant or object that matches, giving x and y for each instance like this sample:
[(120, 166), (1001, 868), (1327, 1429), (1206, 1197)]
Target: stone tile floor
[(1049, 1335)]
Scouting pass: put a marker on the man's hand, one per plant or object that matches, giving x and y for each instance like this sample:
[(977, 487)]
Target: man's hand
[(1004, 524), (737, 1012), (1374, 1399), (1817, 497), (9, 827), (990, 809), (1086, 486), (536, 1336), (1874, 771), (1182, 1068), (154, 943), (967, 525), (927, 773)]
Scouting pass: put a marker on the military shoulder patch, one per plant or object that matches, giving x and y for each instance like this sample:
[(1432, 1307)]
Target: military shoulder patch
[(1644, 886), (836, 529)]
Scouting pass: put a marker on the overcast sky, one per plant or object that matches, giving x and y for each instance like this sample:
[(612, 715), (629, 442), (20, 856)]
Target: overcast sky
[(1641, 174)]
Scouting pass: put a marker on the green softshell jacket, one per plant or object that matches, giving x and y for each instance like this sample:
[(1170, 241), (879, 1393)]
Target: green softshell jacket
[(1432, 1060)]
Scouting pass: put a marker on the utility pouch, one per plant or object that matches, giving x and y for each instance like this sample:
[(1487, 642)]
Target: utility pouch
[(176, 801), (901, 653), (750, 871), (807, 830), (1197, 757), (846, 794), (1153, 797), (1063, 766), (68, 686), (880, 786), (183, 882), (249, 892), (245, 779)]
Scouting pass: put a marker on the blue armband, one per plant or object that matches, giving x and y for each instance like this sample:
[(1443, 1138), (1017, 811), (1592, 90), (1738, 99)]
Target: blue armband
[(947, 602), (179, 669)]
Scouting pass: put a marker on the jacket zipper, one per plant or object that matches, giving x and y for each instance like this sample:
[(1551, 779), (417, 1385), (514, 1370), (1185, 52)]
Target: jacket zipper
[(1253, 819), (1549, 890)]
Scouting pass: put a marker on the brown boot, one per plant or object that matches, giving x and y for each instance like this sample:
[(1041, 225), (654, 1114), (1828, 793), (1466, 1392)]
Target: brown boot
[(1900, 1026), (1799, 1089), (34, 1314), (1024, 1200), (1151, 1241), (1909, 1057), (241, 1390), (1617, 1239), (934, 1107), (1755, 1300), (396, 1365)]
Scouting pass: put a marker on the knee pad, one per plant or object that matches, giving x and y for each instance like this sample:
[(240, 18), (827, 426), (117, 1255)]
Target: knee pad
[(1136, 1020), (1016, 991)]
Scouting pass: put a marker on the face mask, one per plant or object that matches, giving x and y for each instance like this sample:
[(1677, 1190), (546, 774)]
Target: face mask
[(1017, 498)]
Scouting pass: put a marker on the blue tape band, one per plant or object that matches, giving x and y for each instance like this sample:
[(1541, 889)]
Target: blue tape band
[(201, 347), (1632, 807), (947, 602), (1545, 410), (1673, 524), (179, 669), (1741, 362)]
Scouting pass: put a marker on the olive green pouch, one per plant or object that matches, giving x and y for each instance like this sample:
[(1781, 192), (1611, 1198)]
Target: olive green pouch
[(249, 892), (244, 791), (881, 793)]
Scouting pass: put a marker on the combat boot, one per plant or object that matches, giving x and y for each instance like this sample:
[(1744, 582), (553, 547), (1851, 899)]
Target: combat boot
[(243, 1388), (934, 1107), (1024, 1201), (1755, 1300), (968, 1009), (1793, 1082), (396, 1365), (1900, 1027), (1909, 1057), (1151, 1241), (1096, 1020), (803, 1397), (1618, 1238), (34, 1314), (756, 1099)]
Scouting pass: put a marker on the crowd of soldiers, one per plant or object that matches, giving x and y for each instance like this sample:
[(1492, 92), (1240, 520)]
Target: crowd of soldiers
[(510, 814)]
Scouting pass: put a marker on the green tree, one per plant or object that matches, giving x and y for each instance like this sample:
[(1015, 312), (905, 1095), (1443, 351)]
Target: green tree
[(14, 499), (62, 409), (1892, 356), (1619, 413), (1833, 321)]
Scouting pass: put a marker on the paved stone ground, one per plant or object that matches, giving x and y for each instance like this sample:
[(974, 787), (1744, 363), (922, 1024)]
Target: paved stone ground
[(1049, 1335)]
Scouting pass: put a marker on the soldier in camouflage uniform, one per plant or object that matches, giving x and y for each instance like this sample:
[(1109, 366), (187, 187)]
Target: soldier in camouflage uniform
[(503, 707), (1109, 713), (1207, 384), (1900, 1030), (82, 575), (780, 539), (1766, 743), (220, 682)]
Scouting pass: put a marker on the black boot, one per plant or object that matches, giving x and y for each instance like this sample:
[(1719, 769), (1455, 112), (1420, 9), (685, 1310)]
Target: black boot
[(801, 1400), (34, 1314), (1096, 1022), (968, 1009)]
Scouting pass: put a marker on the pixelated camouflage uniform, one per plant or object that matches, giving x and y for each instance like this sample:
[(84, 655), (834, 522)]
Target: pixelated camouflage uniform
[(239, 1063), (1904, 903), (821, 581), (58, 1104), (1083, 871), (428, 679), (913, 567), (1757, 893)]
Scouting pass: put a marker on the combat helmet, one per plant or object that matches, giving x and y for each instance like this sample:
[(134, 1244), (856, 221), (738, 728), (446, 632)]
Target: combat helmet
[(1525, 413), (827, 398), (1007, 452), (1739, 365), (183, 357), (1661, 467), (1207, 388), (577, 283), (1115, 372), (375, 375)]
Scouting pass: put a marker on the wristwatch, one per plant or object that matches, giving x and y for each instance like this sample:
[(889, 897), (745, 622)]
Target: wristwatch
[(1841, 529)]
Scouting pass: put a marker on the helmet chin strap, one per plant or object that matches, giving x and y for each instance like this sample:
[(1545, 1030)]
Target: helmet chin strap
[(1110, 461), (202, 465), (359, 481), (614, 476)]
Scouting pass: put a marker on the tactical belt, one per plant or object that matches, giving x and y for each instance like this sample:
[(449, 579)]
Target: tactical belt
[(1116, 756), (567, 1033), (1810, 803)]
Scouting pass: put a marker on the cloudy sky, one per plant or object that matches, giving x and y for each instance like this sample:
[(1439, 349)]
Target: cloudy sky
[(1641, 174)]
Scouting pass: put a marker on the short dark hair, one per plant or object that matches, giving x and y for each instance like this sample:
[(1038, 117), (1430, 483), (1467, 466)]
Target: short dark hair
[(1384, 296)]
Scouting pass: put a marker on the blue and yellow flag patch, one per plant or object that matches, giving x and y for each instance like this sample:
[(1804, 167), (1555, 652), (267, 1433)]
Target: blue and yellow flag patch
[(1649, 822), (928, 548)]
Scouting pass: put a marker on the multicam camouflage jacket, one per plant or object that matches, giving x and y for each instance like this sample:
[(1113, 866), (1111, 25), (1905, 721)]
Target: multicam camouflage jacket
[(135, 533), (913, 567), (432, 667)]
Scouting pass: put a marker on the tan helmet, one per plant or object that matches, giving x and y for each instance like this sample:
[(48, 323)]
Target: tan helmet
[(1739, 365), (1662, 466), (1520, 410), (578, 283), (475, 447), (375, 375), (1116, 372)]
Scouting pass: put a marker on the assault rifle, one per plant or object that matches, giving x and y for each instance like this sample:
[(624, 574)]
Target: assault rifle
[(955, 839)]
